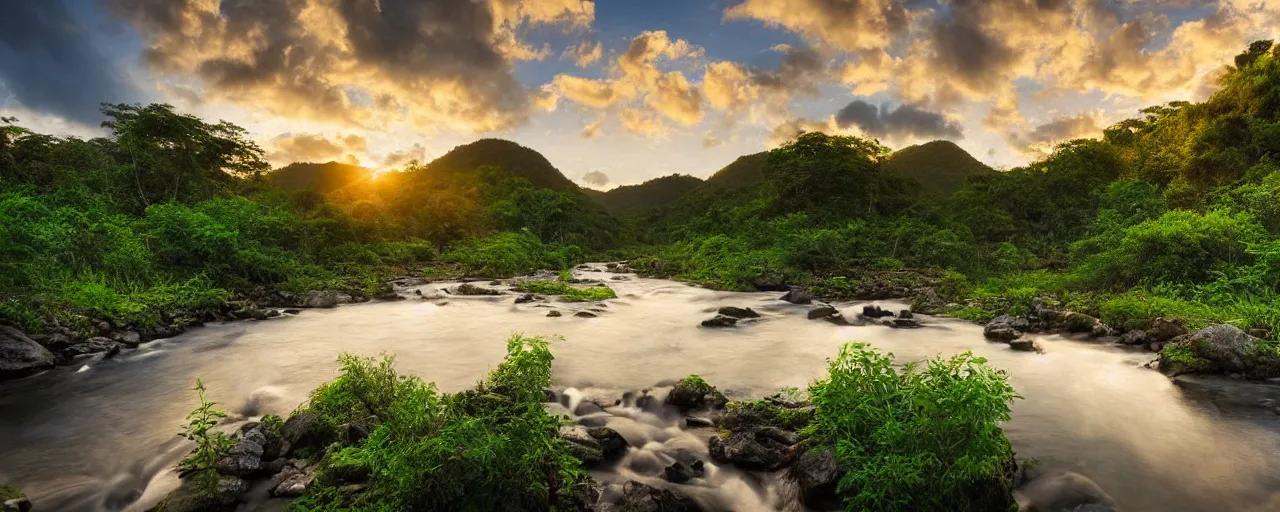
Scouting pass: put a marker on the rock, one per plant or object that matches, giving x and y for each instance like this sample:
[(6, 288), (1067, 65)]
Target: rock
[(388, 296), (1101, 330), (696, 422), (678, 473), (816, 473), (581, 496), (750, 451), (906, 313), (638, 497), (782, 436), (612, 444), (272, 313), (1134, 337), (905, 323), (526, 298), (798, 295), (837, 319), (822, 312), (1260, 333), (928, 302), (17, 505), (720, 321), (1001, 329), (320, 299), (57, 342), (582, 445), (1155, 346), (611, 266), (355, 431), (95, 345), (244, 459), (772, 282), (130, 339), (20, 356), (553, 313), (293, 482), (293, 311), (1068, 492), (585, 314), (1219, 349), (471, 289), (1025, 345), (189, 497), (694, 393), (1079, 322), (1163, 329), (303, 430), (875, 312), (737, 312)]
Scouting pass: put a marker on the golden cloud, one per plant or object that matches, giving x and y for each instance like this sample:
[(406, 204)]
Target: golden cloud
[(313, 147)]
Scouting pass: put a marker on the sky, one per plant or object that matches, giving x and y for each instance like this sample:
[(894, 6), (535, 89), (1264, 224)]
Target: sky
[(616, 92)]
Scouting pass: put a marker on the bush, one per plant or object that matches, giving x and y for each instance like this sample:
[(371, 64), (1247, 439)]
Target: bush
[(1178, 247), (493, 447), (917, 439), (568, 292), (507, 254)]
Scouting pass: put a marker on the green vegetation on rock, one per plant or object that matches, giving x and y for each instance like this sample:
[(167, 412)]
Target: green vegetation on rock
[(567, 291)]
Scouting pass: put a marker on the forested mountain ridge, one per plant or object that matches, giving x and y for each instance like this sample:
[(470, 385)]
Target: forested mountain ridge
[(940, 167), (655, 193), (321, 178)]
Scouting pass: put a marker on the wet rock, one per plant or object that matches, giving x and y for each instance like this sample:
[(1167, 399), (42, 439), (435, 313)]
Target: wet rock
[(580, 443), (95, 345), (694, 393), (1163, 329), (585, 314), (56, 342), (292, 311), (1067, 492), (906, 313), (526, 298), (677, 473), (553, 313), (736, 312), (638, 497), (1079, 322), (293, 482), (1101, 330), (772, 282), (749, 450), (612, 445), (720, 321), (822, 312), (321, 299), (1025, 345), (875, 312), (190, 497), (20, 356), (1001, 328), (471, 289), (20, 504), (130, 339), (303, 430), (905, 323), (581, 496), (1219, 349), (695, 422), (928, 302), (244, 459), (816, 473), (798, 295), (388, 296), (271, 313), (1134, 337), (837, 319), (782, 436)]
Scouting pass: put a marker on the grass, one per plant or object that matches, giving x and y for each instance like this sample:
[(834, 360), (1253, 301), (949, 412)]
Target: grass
[(567, 291), (9, 492)]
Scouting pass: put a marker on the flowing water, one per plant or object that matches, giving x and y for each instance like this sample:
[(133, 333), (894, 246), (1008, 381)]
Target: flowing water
[(100, 435)]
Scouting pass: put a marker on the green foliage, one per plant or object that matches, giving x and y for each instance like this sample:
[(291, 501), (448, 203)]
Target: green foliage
[(568, 292), (488, 448), (9, 492), (210, 444), (917, 439), (506, 254), (1178, 247)]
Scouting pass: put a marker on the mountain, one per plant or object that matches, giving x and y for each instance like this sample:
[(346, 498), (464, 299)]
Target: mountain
[(746, 170), (514, 158), (323, 178), (651, 194), (940, 166)]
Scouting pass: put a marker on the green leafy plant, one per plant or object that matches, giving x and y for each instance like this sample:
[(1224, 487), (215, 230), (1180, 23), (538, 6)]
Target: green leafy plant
[(210, 444), (568, 292)]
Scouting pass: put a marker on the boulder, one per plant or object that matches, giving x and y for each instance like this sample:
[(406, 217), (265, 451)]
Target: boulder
[(1163, 329), (822, 312), (906, 313), (20, 356), (752, 451), (612, 445), (580, 443), (320, 299), (905, 323), (388, 296), (816, 474), (130, 339), (736, 312), (471, 289), (553, 313), (928, 302), (678, 473), (293, 482), (1025, 345), (638, 497), (19, 504), (1134, 337), (244, 459), (585, 314), (694, 393), (95, 345), (190, 497), (1219, 349), (720, 321), (303, 430), (1001, 328), (526, 298), (798, 295), (1079, 322), (875, 312), (1068, 492), (771, 282)]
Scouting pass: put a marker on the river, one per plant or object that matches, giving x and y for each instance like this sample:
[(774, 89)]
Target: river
[(100, 435)]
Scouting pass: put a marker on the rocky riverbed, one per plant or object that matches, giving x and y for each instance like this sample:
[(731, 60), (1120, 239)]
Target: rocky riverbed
[(1092, 414)]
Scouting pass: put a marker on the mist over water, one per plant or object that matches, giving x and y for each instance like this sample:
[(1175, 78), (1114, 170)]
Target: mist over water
[(100, 435)]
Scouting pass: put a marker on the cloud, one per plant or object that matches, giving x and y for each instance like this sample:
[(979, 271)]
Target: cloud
[(641, 123), (1041, 140), (842, 24), (899, 123), (709, 140), (593, 93), (596, 179), (402, 157), (437, 63), (592, 129), (50, 64), (584, 54), (310, 147), (789, 130)]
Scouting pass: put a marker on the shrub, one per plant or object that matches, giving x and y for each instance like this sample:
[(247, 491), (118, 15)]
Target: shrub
[(568, 292), (508, 254), (210, 444), (917, 439)]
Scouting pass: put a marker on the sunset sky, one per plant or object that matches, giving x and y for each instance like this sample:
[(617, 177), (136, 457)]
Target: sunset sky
[(623, 90)]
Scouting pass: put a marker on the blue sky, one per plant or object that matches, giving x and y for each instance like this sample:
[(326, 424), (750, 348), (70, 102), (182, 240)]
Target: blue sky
[(678, 86)]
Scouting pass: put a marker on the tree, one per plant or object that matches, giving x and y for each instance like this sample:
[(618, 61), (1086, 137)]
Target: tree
[(834, 173)]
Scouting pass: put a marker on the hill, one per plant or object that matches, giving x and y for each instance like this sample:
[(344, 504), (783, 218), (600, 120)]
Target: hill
[(746, 170), (940, 166), (651, 194), (323, 178), (517, 160)]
